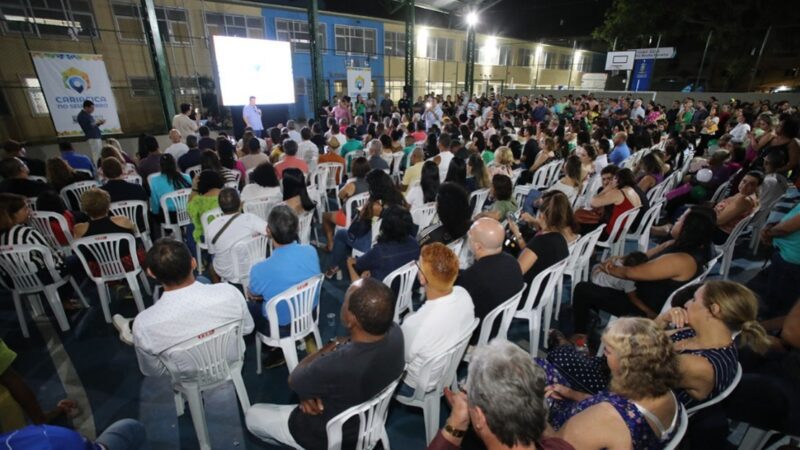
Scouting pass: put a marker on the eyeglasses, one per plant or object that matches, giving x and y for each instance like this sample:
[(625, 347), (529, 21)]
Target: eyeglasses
[(419, 267)]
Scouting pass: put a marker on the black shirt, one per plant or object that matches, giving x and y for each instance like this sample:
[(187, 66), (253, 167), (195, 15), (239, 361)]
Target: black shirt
[(349, 375), (530, 151), (35, 166), (23, 186), (550, 248), (207, 143), (189, 159), (319, 140), (122, 191)]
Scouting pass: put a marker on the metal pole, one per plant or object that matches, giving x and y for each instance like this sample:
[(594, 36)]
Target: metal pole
[(572, 64), (469, 78), (317, 80), (653, 66), (614, 45), (156, 47), (758, 60), (410, 40), (703, 60)]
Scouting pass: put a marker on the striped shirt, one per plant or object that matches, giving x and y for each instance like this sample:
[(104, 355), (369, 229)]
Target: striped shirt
[(724, 361), (24, 235)]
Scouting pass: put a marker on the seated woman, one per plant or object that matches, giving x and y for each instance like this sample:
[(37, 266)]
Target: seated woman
[(620, 194), (696, 191), (562, 206), (167, 181), (204, 198), (454, 212), (549, 245), (457, 172), (227, 159), (587, 153), (425, 191), (671, 265), (295, 194), (545, 155), (570, 184), (636, 408), (60, 174), (651, 172), (503, 162), (209, 160), (477, 175), (263, 184), (356, 185), (395, 247), (382, 194), (96, 203), (502, 193), (112, 152)]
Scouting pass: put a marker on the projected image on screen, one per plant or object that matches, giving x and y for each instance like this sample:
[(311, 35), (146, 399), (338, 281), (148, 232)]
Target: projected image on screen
[(254, 67)]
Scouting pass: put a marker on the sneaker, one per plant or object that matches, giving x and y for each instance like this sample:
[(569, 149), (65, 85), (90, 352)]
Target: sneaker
[(123, 326), (274, 358)]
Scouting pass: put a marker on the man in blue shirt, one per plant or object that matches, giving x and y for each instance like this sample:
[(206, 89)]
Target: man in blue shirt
[(621, 151), (75, 160), (289, 264), (252, 117), (91, 128)]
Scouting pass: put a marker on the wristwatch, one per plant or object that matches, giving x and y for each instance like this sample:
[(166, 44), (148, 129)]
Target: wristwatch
[(454, 432)]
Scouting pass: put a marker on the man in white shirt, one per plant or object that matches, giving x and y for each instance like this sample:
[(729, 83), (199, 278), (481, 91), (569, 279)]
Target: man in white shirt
[(223, 233), (433, 114), (440, 322), (186, 309), (739, 132), (307, 150), (251, 114), (293, 133), (445, 155), (183, 123), (178, 148), (637, 112)]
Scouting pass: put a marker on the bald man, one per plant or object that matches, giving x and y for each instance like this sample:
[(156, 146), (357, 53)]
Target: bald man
[(495, 277), (621, 150), (177, 148)]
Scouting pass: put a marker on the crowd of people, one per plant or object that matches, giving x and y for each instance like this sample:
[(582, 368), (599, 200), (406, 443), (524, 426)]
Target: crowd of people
[(551, 170)]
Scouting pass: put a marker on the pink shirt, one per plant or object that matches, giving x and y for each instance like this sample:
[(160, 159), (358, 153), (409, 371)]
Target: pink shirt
[(342, 113), (290, 162)]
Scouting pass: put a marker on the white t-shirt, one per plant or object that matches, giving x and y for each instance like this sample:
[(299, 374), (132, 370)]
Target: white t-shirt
[(600, 163), (177, 150), (739, 132), (184, 124), (415, 197), (434, 328), (244, 226), (308, 152), (255, 191), (444, 163), (295, 136)]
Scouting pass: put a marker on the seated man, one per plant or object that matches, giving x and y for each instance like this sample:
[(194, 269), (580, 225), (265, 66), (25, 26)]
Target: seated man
[(15, 179), (504, 403), (289, 264), (186, 309), (343, 374), (125, 434), (224, 232), (438, 324), (495, 277)]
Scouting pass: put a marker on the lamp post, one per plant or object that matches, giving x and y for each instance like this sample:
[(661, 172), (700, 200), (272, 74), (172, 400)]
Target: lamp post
[(469, 73)]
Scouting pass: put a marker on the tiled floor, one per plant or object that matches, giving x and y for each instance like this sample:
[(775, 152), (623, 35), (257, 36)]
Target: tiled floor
[(93, 366)]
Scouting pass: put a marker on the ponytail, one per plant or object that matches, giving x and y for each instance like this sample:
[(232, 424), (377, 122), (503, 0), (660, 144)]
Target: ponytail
[(754, 336), (738, 307)]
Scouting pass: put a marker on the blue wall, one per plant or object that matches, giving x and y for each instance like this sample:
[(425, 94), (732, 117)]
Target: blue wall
[(333, 66)]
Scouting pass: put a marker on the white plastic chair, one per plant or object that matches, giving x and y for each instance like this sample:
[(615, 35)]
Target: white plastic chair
[(553, 172), (539, 307), (203, 363), (407, 273), (73, 192), (456, 246), (479, 197), (17, 262), (178, 200), (136, 212), (86, 171), (614, 245), (758, 223), (41, 221), (722, 395), (371, 421), (353, 204), (505, 311), (397, 159), (38, 179), (642, 233), (206, 218), (106, 251), (334, 173), (300, 300), (304, 227), (577, 267), (245, 254), (262, 207), (194, 170), (133, 178), (729, 246), (721, 192), (441, 368), (348, 160), (521, 192), (423, 215)]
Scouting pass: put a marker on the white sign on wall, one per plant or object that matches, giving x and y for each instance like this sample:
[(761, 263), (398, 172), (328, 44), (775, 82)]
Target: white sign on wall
[(594, 81), (359, 81), (67, 79), (620, 60), (655, 53)]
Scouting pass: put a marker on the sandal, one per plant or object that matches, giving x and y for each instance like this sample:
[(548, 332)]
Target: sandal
[(330, 273)]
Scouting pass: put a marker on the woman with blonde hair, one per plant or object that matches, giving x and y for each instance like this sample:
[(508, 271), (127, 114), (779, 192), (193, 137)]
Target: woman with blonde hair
[(545, 155), (503, 162), (637, 408)]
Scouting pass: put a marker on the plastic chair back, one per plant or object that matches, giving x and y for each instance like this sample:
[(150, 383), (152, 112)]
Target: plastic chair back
[(194, 170), (423, 215), (136, 212), (505, 311), (354, 204), (206, 359), (304, 228), (246, 253), (106, 251), (178, 200), (333, 171), (642, 232), (479, 197), (728, 247), (262, 207), (72, 193), (133, 178), (722, 395), (721, 192), (683, 425), (615, 242), (42, 221), (16, 261), (521, 192), (406, 274), (371, 421), (300, 300)]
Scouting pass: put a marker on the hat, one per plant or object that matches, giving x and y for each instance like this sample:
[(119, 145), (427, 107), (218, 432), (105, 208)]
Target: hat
[(12, 146), (333, 142)]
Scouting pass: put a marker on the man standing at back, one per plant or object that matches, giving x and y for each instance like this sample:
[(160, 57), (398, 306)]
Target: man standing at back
[(186, 309), (183, 123), (91, 128), (344, 373), (251, 114)]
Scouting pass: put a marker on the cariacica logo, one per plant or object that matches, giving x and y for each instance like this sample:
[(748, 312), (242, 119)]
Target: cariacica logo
[(359, 83), (76, 80)]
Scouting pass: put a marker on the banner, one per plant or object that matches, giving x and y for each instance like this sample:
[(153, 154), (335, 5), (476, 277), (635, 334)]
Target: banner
[(359, 81), (642, 74), (67, 79)]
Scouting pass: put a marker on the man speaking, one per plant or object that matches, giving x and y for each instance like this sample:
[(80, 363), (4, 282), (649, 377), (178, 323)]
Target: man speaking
[(252, 117), (91, 129)]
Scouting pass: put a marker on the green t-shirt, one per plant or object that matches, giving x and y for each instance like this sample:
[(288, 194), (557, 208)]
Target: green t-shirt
[(406, 151), (487, 156), (350, 146), (7, 356), (505, 207), (198, 206)]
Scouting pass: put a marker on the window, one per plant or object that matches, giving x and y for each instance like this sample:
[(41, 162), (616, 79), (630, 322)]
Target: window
[(564, 61), (173, 24), (487, 55), (440, 49), (143, 87), (234, 25), (300, 87), (356, 40), (548, 60), (524, 57), (33, 91), (60, 18), (185, 86), (394, 43), (296, 32)]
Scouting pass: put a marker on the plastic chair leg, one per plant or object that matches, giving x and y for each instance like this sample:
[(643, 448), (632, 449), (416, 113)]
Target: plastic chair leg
[(23, 324), (78, 292), (102, 291), (51, 293), (241, 391), (534, 325), (290, 353), (430, 411), (179, 407), (259, 364), (548, 314), (145, 283), (195, 400), (133, 283)]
